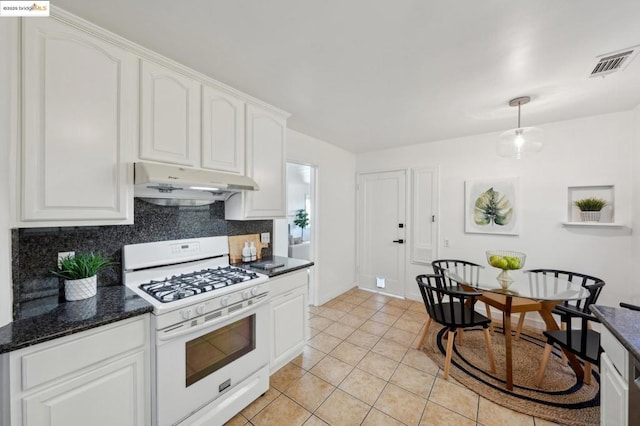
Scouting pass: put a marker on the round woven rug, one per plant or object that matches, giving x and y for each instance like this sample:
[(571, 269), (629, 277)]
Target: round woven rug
[(560, 398)]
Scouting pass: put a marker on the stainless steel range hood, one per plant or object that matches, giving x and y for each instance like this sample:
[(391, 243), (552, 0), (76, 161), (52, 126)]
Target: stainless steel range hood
[(184, 186)]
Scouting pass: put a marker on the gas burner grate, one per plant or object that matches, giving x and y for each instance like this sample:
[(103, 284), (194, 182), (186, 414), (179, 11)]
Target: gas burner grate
[(197, 282)]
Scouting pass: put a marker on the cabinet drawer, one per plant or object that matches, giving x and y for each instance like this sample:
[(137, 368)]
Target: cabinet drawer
[(75, 353), (285, 283), (617, 353)]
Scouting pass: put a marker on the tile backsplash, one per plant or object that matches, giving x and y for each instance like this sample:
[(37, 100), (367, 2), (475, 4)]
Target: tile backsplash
[(35, 250)]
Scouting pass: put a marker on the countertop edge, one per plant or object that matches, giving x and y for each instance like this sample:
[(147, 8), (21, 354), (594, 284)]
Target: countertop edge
[(604, 318), (112, 304), (289, 265), (10, 347)]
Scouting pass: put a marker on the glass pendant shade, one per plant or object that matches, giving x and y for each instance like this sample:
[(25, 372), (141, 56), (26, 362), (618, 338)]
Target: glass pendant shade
[(520, 143)]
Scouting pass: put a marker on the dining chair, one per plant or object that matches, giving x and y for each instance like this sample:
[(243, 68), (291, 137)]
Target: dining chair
[(470, 271), (450, 306), (583, 341), (551, 276)]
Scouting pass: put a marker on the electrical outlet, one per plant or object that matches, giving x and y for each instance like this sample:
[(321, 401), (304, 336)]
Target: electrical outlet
[(265, 238), (63, 254), (380, 282), (446, 243)]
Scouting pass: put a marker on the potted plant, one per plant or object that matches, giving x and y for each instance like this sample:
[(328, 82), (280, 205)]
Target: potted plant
[(302, 221), (79, 274), (590, 208)]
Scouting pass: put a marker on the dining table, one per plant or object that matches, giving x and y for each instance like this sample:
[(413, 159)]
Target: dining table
[(547, 290)]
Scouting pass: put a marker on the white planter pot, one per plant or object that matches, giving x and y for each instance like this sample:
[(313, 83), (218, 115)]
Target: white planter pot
[(80, 289), (590, 216)]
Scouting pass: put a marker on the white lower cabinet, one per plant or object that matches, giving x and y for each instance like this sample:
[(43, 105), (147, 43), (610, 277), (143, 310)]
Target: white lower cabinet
[(614, 384), (614, 395), (96, 377), (289, 319)]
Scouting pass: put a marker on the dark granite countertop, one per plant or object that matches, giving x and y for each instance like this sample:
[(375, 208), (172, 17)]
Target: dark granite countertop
[(288, 265), (47, 319), (623, 323)]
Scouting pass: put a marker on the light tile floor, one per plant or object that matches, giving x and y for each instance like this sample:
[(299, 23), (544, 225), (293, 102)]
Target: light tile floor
[(360, 367)]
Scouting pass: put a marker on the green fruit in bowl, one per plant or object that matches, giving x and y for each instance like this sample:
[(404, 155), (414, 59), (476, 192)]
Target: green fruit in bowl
[(498, 262), (513, 263)]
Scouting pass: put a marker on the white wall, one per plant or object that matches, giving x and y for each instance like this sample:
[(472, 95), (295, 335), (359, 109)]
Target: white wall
[(8, 43), (636, 205), (334, 236), (590, 151)]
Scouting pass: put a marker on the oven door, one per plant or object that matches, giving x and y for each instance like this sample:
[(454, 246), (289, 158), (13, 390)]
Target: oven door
[(195, 368)]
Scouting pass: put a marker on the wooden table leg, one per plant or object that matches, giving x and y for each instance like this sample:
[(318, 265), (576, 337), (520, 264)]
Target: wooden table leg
[(506, 319), (552, 325)]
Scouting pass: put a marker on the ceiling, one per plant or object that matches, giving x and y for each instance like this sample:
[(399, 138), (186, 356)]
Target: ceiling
[(374, 74)]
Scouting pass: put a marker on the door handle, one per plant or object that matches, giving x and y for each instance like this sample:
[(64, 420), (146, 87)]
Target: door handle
[(400, 241)]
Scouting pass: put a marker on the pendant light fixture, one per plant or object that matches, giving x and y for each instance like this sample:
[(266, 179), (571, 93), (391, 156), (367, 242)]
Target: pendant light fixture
[(522, 141)]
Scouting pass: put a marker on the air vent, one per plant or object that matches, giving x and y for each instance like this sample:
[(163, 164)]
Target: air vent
[(613, 62)]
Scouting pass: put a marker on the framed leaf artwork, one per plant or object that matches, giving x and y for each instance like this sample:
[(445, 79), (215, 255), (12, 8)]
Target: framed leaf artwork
[(492, 206)]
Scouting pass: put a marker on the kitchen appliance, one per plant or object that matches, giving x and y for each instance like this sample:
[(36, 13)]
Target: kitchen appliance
[(165, 184), (210, 329)]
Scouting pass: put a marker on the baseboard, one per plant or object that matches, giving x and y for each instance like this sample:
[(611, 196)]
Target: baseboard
[(325, 298)]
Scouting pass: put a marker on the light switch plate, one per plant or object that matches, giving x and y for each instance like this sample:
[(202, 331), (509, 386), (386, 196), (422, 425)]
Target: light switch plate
[(265, 238)]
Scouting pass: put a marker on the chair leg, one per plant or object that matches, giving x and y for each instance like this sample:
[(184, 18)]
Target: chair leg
[(489, 316), (492, 358), (520, 325), (563, 358), (543, 363), (424, 334), (587, 373), (447, 360), (460, 335)]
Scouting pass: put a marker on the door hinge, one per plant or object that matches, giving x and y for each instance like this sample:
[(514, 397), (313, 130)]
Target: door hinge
[(433, 218)]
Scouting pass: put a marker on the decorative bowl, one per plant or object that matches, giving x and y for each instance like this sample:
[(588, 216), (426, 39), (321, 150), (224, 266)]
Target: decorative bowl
[(507, 261)]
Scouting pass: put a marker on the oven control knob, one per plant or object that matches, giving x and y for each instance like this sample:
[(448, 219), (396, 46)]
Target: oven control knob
[(200, 309), (245, 294), (224, 301), (187, 313), (255, 291)]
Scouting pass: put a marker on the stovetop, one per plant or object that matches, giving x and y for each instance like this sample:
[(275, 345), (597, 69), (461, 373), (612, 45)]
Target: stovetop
[(182, 286)]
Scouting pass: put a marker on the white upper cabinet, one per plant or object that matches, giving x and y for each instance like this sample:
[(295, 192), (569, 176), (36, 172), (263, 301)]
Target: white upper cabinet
[(169, 116), (222, 131), (78, 127), (265, 163)]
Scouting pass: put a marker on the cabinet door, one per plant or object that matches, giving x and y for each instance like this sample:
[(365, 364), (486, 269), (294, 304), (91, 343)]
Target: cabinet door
[(169, 116), (614, 395), (110, 395), (265, 164), (288, 317), (78, 127), (222, 131)]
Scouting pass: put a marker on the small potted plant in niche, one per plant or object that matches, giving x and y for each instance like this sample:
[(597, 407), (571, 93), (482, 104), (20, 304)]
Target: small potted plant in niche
[(302, 221), (590, 208), (79, 274)]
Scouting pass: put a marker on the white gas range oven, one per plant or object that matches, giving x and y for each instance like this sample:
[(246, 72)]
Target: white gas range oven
[(210, 329)]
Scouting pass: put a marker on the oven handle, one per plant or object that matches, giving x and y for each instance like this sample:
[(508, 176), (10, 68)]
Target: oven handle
[(171, 335)]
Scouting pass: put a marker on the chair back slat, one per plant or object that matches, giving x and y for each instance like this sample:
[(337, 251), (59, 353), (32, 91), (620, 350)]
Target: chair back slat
[(555, 277), (448, 305), (469, 271)]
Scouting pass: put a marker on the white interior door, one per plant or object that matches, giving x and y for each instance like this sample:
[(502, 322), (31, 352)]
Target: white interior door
[(381, 225)]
